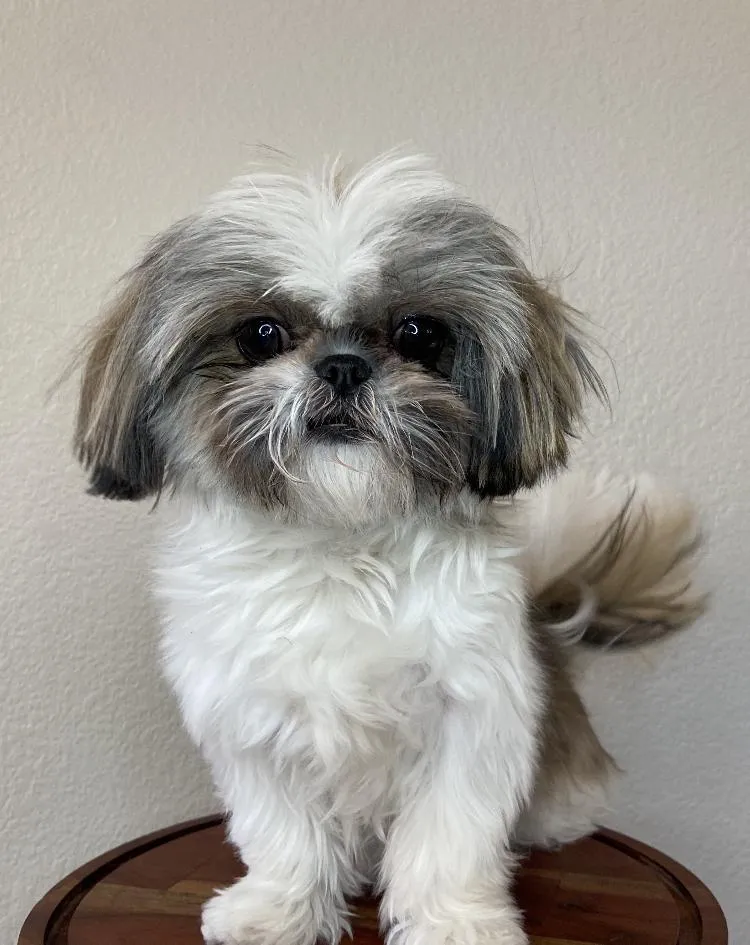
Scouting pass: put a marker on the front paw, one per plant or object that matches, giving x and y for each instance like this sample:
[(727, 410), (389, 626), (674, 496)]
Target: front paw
[(256, 913), (503, 930)]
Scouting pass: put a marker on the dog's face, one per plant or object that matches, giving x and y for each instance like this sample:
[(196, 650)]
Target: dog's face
[(339, 352)]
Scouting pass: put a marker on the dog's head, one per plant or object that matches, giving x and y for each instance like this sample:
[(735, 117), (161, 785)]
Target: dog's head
[(341, 351)]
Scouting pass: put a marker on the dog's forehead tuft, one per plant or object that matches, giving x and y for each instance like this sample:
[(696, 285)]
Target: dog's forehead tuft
[(329, 239)]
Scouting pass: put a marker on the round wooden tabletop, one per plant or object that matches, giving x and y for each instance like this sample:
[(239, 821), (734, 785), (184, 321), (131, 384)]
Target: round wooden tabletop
[(606, 890)]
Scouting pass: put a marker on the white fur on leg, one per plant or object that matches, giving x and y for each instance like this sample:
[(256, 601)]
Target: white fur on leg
[(298, 871), (447, 866), (432, 899)]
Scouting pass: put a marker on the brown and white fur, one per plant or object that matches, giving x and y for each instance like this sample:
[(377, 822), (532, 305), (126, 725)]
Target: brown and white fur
[(358, 394)]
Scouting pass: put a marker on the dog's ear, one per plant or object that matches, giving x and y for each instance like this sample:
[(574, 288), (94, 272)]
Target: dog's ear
[(114, 438), (528, 412)]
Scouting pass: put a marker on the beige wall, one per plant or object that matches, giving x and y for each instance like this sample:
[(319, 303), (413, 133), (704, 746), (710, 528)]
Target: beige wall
[(614, 136)]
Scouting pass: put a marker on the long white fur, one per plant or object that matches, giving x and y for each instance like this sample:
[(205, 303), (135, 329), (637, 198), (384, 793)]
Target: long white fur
[(340, 685)]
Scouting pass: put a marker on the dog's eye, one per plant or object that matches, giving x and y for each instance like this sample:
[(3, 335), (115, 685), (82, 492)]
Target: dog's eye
[(261, 339), (419, 338)]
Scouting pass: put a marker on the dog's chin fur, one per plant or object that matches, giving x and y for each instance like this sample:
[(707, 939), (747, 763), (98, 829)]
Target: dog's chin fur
[(370, 638), (351, 486)]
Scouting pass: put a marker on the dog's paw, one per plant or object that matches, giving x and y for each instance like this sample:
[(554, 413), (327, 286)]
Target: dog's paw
[(226, 920), (506, 931), (249, 913), (509, 933), (502, 930)]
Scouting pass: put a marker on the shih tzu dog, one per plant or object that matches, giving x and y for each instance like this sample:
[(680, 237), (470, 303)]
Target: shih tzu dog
[(354, 388)]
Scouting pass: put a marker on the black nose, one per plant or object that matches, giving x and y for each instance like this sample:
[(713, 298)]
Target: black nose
[(344, 372)]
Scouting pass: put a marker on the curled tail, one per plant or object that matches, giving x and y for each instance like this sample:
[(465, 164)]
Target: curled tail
[(611, 560)]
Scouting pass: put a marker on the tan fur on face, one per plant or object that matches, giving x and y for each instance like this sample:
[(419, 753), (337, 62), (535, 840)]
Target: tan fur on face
[(494, 415)]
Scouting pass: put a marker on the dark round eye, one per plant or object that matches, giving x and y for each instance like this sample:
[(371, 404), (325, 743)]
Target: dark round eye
[(262, 338), (419, 338)]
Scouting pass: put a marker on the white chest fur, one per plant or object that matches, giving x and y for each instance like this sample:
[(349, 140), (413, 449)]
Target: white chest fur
[(339, 654)]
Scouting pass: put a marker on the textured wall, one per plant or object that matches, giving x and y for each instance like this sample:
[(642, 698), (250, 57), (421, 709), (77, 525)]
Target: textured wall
[(614, 137)]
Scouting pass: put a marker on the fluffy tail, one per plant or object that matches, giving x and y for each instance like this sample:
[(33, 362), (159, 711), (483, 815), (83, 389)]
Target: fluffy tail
[(611, 560)]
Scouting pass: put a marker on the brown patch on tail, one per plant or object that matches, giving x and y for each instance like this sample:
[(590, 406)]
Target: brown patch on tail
[(634, 585)]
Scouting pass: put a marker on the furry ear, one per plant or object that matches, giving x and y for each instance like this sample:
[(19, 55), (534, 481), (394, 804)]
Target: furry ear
[(536, 403), (114, 439)]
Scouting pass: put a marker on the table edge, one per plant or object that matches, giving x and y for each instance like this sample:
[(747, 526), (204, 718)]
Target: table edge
[(52, 913), (49, 918)]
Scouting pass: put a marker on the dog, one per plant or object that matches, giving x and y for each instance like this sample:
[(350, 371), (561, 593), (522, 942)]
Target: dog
[(360, 397)]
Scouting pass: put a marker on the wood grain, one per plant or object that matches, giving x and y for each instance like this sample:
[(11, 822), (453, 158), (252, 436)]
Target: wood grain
[(606, 890)]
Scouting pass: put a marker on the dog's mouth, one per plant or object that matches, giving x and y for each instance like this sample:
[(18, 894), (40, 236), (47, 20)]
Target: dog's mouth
[(335, 426)]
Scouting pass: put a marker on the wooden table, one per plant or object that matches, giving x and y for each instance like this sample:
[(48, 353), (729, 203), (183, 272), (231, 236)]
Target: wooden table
[(607, 890)]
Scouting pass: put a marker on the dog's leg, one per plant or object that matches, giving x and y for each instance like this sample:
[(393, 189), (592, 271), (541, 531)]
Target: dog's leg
[(570, 789), (298, 868), (447, 864)]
